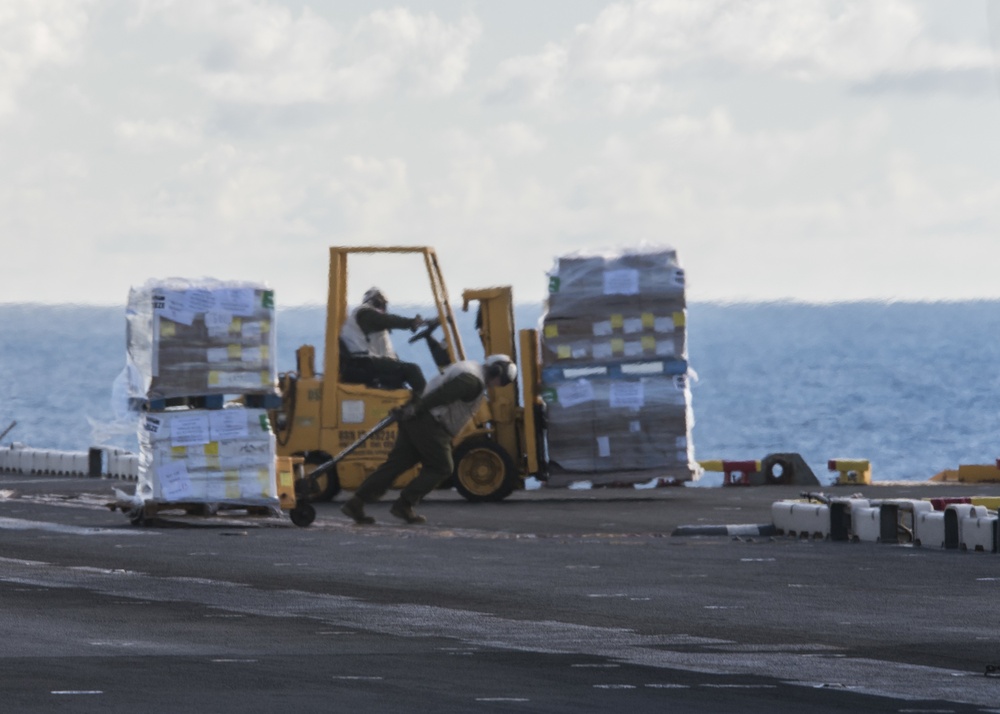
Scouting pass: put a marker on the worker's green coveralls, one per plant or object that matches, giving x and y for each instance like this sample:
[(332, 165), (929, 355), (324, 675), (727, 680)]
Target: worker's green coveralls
[(422, 439)]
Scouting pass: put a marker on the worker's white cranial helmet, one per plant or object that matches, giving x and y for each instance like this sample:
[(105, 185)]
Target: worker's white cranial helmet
[(375, 297), (500, 366)]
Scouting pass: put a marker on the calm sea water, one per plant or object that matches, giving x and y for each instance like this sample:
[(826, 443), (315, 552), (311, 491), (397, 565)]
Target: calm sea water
[(914, 387)]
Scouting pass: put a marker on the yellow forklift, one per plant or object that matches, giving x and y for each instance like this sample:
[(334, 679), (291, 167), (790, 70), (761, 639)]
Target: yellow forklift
[(322, 414)]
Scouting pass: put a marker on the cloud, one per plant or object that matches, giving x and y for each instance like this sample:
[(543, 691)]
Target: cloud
[(160, 133), (633, 49), (263, 53), (517, 139), (34, 35)]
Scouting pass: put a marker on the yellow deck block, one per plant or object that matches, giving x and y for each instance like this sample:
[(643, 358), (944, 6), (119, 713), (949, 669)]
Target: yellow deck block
[(852, 471), (992, 503), (976, 472)]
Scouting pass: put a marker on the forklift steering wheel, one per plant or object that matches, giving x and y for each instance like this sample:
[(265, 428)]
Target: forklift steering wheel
[(428, 328)]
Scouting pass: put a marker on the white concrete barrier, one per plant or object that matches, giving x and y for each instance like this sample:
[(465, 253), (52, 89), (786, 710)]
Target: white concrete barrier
[(928, 529), (866, 523), (19, 458), (801, 519), (958, 516)]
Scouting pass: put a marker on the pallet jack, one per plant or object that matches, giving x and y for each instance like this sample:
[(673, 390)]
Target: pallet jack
[(303, 513)]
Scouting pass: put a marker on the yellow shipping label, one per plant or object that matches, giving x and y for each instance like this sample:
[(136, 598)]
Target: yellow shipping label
[(679, 319), (648, 343), (648, 321), (235, 352), (617, 321), (564, 352), (552, 330), (617, 345)]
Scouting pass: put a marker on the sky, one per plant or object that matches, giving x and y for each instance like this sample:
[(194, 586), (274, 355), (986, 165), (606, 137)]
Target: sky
[(811, 150)]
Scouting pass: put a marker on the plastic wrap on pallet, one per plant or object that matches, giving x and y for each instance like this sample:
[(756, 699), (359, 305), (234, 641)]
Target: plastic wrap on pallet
[(619, 425), (221, 456), (590, 284), (200, 337), (613, 346)]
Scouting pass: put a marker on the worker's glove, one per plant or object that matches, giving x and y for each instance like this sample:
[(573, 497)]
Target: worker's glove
[(417, 323), (405, 412)]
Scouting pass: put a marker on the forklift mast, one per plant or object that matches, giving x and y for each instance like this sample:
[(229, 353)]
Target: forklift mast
[(515, 428)]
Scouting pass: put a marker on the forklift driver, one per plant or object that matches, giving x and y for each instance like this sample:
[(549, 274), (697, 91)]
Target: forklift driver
[(365, 338)]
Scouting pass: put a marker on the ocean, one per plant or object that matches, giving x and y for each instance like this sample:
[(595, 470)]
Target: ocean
[(913, 387)]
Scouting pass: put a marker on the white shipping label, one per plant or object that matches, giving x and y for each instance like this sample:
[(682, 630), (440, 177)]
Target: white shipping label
[(197, 300), (175, 484), (603, 446), (239, 301), (621, 282), (215, 487), (569, 394), (602, 328), (251, 330), (189, 429), (237, 380), (633, 349), (635, 426), (225, 424), (253, 355), (602, 350), (352, 411), (218, 323), (174, 307), (664, 348), (632, 325), (580, 350), (214, 355), (628, 395), (663, 324)]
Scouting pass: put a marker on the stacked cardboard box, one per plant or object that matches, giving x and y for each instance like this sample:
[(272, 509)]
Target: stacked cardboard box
[(191, 344), (614, 368), (218, 456), (195, 338)]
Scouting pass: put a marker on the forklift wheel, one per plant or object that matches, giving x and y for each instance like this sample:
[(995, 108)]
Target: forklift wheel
[(484, 471), (303, 515), (137, 516), (325, 486)]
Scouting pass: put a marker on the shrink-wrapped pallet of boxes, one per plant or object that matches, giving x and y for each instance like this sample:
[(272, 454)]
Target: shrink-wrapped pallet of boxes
[(211, 456), (188, 338), (614, 368), (191, 345)]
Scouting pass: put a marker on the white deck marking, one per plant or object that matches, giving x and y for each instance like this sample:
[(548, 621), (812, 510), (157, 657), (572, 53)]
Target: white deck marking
[(862, 675), (20, 524)]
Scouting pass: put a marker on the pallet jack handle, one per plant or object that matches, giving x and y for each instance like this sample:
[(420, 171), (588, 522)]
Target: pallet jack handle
[(327, 466)]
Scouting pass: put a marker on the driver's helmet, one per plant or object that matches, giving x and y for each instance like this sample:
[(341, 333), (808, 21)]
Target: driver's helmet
[(376, 298)]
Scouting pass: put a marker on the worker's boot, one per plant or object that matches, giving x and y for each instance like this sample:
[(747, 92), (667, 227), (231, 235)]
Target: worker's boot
[(355, 509), (402, 509)]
